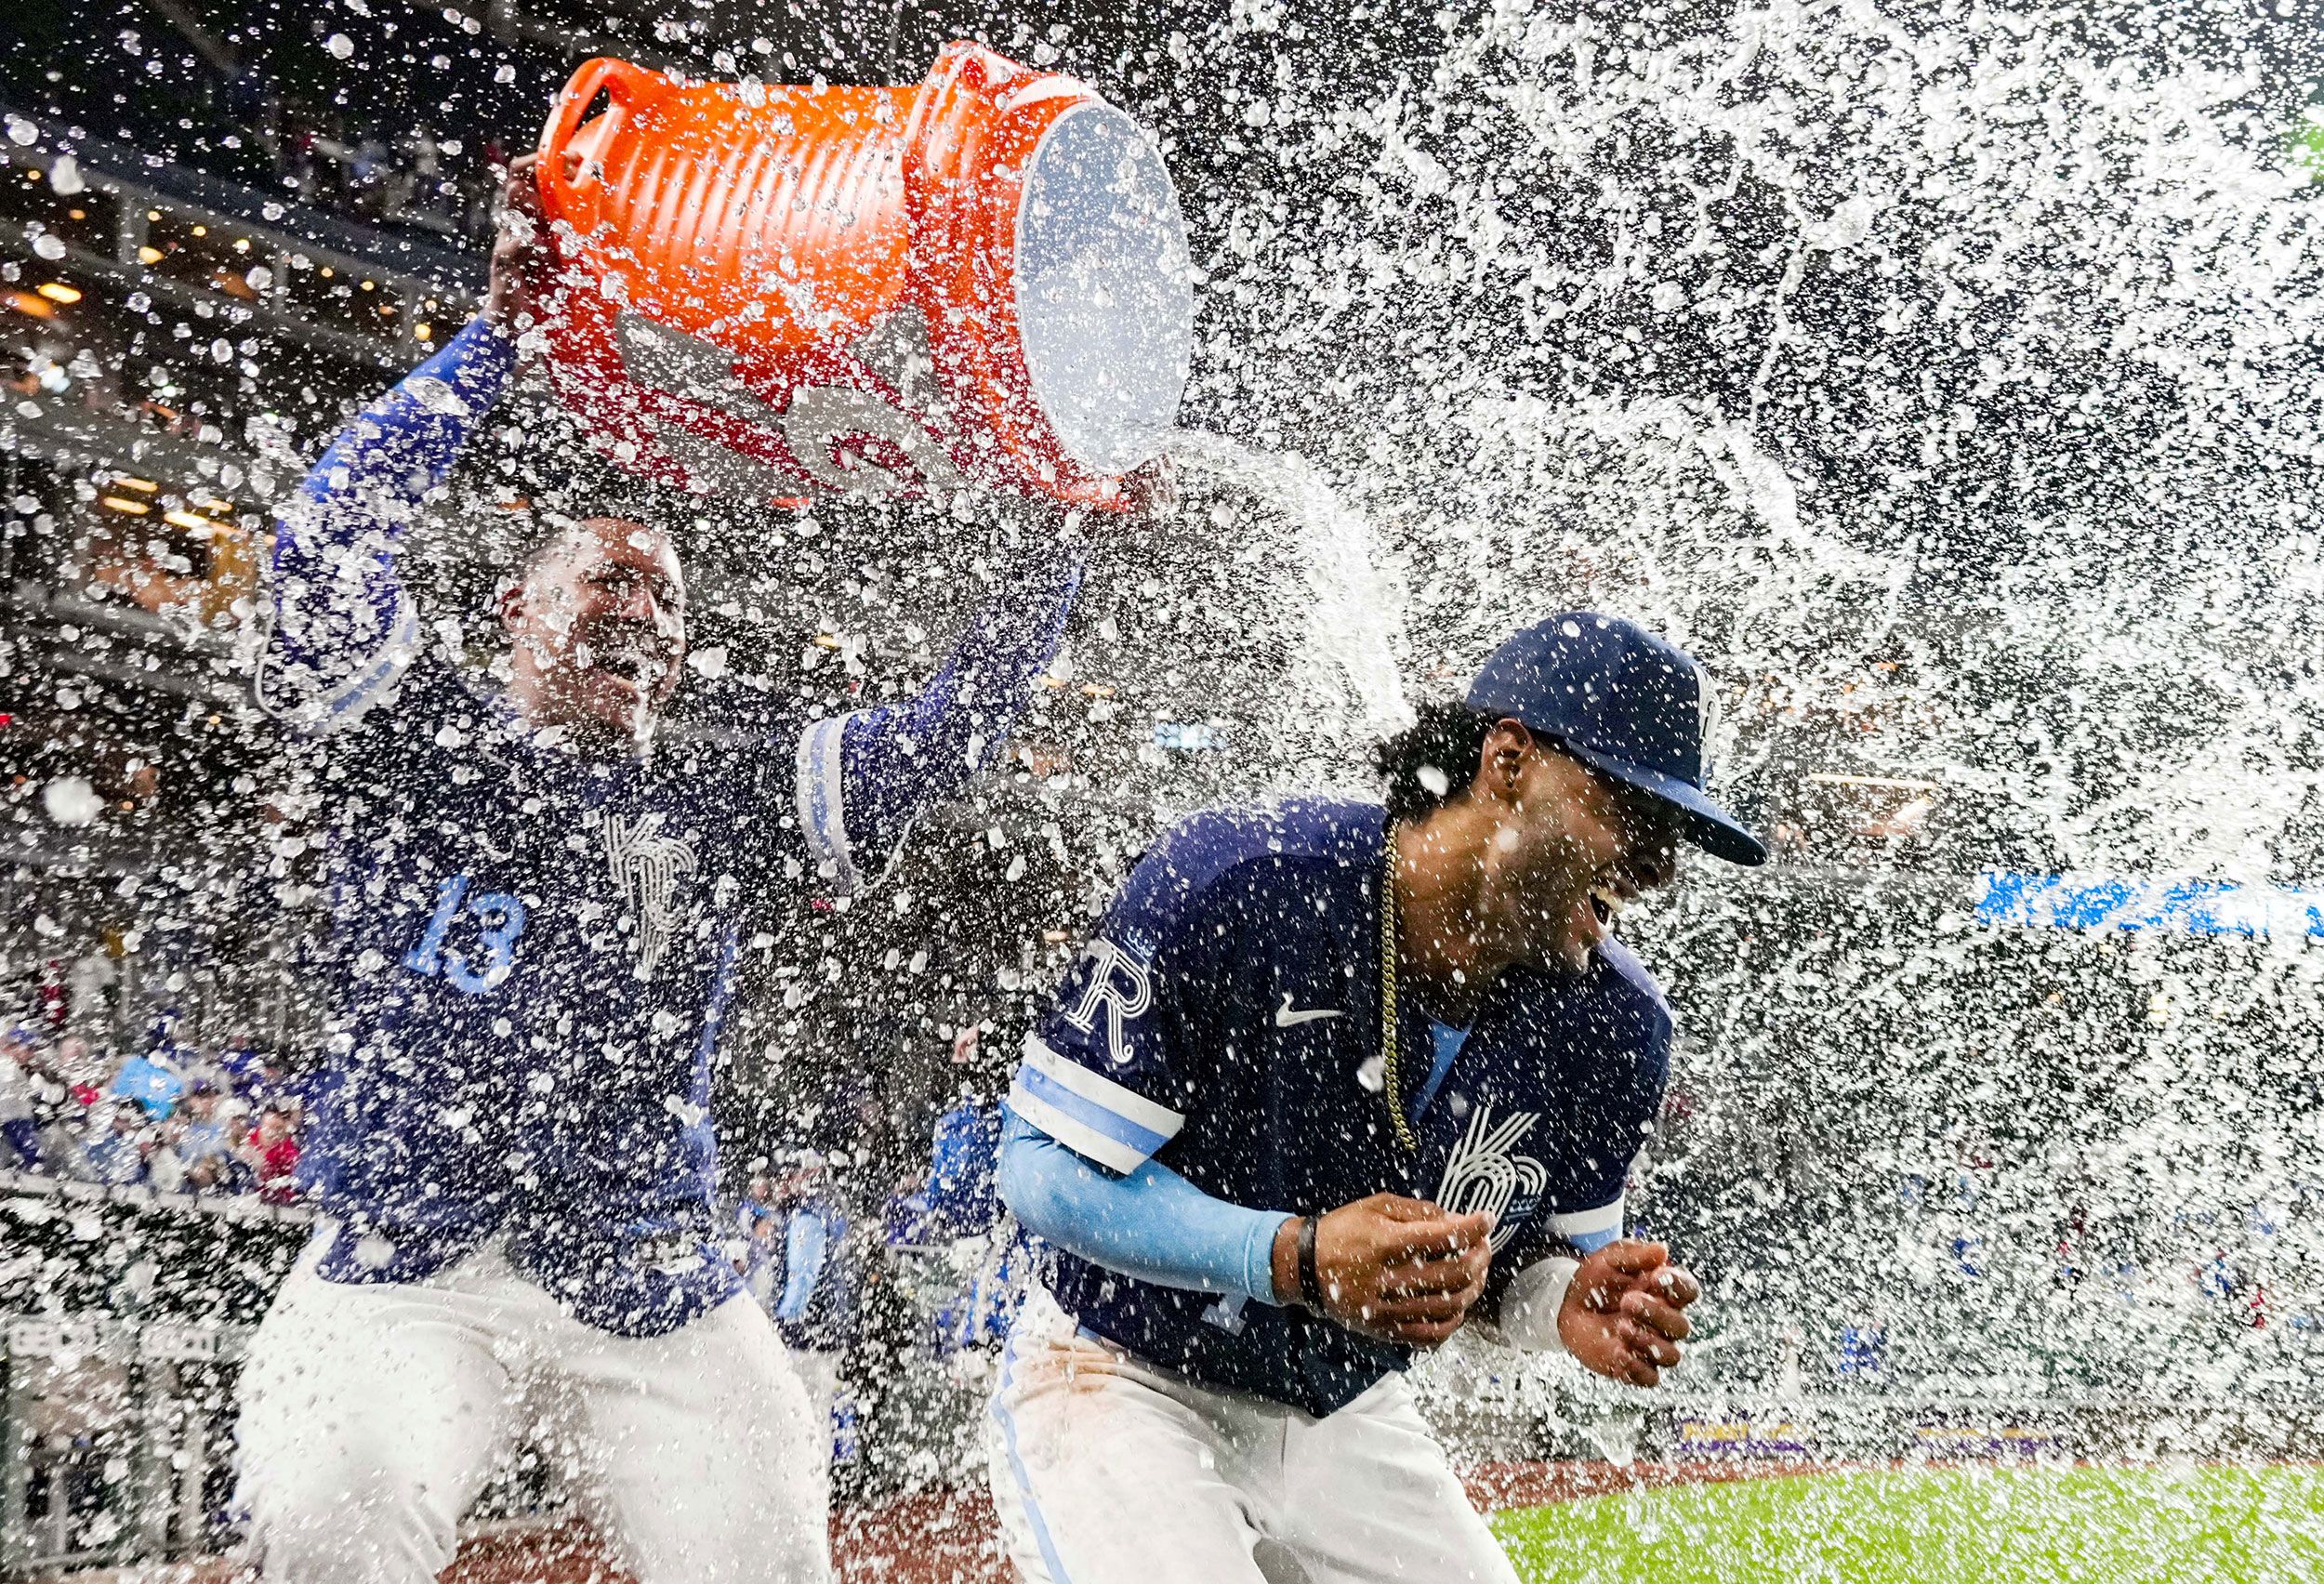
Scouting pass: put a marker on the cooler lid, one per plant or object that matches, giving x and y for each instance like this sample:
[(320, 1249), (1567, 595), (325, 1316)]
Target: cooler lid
[(1105, 294)]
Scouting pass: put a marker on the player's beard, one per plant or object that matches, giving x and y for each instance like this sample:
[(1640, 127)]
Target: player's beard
[(1551, 922)]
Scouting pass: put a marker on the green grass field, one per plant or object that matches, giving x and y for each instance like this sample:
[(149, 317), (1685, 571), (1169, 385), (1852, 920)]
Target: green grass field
[(1975, 1526)]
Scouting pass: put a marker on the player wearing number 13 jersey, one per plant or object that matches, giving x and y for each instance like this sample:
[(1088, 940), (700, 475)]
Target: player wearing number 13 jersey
[(1332, 1080), (538, 898)]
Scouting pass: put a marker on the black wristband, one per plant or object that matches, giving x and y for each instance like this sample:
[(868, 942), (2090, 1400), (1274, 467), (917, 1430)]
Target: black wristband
[(1311, 1284)]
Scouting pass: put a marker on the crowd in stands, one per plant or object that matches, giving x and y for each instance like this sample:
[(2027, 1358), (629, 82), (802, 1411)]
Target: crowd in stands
[(384, 129), (169, 1118), (398, 178), (864, 1269)]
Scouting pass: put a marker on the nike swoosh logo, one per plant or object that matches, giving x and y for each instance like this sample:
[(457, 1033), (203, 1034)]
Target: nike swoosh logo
[(1287, 1017)]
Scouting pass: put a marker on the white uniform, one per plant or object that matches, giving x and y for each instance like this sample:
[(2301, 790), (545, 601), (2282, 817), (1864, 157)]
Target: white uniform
[(818, 1371), (1107, 1471), (372, 1416)]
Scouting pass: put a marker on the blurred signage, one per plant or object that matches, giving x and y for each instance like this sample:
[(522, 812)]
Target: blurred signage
[(2190, 908), (1189, 736), (1967, 1443), (1741, 1436)]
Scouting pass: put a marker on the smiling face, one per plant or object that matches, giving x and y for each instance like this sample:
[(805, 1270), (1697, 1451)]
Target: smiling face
[(1569, 848), (598, 626)]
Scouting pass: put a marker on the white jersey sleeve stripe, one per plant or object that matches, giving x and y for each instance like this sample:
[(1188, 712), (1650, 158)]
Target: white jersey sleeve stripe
[(1075, 1134), (1585, 1223), (822, 812), (1102, 1091), (371, 681)]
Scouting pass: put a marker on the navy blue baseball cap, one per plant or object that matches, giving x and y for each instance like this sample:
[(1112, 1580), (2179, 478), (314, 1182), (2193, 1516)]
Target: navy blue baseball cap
[(1625, 703)]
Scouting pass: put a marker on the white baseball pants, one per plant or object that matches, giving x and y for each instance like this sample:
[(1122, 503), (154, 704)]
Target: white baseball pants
[(1107, 1471), (372, 1416), (818, 1372)]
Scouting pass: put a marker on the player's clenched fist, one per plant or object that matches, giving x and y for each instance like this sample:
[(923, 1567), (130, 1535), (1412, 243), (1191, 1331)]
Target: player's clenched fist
[(1624, 1315), (1398, 1269)]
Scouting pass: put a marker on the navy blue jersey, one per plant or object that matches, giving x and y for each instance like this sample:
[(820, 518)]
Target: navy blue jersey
[(1227, 1022), (533, 952), (534, 948)]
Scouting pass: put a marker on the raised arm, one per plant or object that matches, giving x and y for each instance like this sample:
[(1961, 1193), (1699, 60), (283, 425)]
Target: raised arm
[(343, 626), (862, 779)]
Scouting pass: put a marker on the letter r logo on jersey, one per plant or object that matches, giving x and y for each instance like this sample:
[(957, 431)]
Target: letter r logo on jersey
[(1119, 989)]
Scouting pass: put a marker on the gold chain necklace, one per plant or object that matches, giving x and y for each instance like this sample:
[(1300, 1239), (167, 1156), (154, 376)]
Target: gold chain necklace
[(1389, 1084)]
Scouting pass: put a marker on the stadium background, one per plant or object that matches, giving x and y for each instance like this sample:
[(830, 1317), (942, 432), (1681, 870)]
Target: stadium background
[(1985, 1150)]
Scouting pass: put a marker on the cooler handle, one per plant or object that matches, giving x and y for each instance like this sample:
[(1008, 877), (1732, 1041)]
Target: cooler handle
[(573, 195)]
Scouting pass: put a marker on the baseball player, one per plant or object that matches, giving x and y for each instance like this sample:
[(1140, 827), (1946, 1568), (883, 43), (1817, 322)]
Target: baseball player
[(1333, 1080), (537, 908)]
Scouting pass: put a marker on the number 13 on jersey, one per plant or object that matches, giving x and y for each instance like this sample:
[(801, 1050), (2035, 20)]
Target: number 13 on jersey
[(499, 920)]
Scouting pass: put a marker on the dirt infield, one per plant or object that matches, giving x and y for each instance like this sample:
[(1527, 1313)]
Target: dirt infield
[(1493, 1486), (948, 1536)]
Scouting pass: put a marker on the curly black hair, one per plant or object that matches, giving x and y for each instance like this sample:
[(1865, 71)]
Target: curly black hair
[(1433, 759)]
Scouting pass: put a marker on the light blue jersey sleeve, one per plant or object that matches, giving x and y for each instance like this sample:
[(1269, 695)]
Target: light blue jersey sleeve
[(806, 1243), (344, 627), (1151, 1223)]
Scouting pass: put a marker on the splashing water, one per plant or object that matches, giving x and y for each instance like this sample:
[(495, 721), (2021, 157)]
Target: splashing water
[(1353, 608), (1942, 376), (1969, 343)]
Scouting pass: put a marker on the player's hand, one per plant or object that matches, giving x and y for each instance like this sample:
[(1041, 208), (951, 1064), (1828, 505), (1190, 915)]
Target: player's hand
[(1397, 1269), (1624, 1315), (521, 262)]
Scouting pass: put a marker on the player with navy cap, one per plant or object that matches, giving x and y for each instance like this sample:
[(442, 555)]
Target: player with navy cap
[(539, 897), (1333, 1080)]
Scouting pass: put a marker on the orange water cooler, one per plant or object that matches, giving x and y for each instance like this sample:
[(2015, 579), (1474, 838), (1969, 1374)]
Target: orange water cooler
[(784, 291)]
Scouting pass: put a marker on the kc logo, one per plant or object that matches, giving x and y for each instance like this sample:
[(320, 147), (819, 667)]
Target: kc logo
[(1481, 1173), (1119, 989), (645, 867), (1706, 724)]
